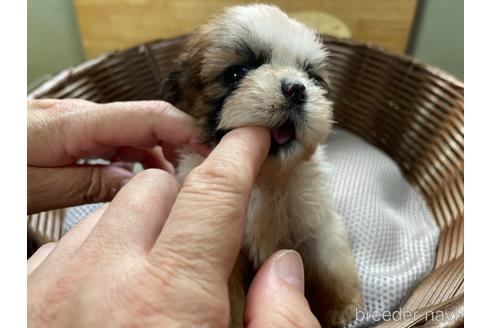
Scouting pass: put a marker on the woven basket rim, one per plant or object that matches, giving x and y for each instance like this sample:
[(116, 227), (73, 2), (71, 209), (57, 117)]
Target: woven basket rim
[(60, 77)]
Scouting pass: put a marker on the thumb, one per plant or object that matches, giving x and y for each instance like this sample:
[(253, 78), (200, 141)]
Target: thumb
[(59, 187), (276, 296)]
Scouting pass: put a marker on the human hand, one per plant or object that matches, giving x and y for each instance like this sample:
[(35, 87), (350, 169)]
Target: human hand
[(60, 132), (156, 257)]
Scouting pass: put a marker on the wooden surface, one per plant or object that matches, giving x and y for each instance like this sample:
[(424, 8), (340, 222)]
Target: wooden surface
[(114, 24)]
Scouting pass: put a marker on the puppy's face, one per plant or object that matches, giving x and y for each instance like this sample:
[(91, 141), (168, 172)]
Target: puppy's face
[(253, 65)]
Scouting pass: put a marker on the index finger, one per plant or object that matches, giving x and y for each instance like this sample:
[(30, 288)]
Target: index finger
[(71, 130), (205, 227)]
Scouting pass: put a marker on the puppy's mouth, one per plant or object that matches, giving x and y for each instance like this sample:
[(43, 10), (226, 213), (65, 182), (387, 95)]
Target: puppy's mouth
[(282, 135)]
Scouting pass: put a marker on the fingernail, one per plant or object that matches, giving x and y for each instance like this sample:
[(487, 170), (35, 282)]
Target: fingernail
[(289, 267)]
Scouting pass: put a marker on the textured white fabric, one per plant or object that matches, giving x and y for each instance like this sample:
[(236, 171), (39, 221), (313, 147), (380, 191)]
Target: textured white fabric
[(77, 213), (392, 232)]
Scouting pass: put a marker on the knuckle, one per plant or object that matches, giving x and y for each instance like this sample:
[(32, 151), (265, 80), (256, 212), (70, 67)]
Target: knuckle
[(175, 261), (153, 173), (221, 175), (166, 272), (163, 178), (158, 174), (160, 108), (155, 186), (96, 190)]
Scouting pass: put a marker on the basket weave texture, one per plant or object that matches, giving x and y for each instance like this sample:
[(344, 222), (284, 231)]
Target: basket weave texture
[(411, 111)]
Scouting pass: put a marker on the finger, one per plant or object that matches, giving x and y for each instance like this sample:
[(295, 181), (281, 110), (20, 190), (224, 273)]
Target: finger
[(90, 129), (68, 245), (37, 258), (51, 188), (71, 241), (206, 224), (276, 296), (134, 218)]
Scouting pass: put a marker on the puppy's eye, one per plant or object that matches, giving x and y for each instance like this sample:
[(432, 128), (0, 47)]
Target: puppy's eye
[(316, 79), (234, 74), (319, 81)]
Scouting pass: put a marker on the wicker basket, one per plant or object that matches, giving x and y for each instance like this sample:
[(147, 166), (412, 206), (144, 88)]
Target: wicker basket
[(411, 111)]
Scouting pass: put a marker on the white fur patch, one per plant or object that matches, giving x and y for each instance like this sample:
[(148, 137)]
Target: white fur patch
[(290, 40)]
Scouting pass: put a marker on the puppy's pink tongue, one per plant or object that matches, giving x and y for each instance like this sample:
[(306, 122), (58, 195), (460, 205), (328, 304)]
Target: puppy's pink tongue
[(284, 133)]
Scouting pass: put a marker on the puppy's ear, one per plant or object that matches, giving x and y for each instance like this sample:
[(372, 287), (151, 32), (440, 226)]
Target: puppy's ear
[(171, 88)]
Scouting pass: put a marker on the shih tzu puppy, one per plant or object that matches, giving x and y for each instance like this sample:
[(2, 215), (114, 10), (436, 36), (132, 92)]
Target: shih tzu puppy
[(253, 65)]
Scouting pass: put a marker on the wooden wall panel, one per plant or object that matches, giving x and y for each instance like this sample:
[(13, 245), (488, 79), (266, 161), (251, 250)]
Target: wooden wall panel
[(114, 24)]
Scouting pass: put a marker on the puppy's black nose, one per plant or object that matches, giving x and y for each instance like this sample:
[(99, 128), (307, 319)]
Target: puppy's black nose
[(294, 91)]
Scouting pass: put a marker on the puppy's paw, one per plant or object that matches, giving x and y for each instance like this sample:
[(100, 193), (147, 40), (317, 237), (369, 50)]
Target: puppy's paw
[(342, 311), (334, 294)]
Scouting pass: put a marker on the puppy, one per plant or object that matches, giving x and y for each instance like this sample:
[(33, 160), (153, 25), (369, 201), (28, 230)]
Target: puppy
[(252, 65)]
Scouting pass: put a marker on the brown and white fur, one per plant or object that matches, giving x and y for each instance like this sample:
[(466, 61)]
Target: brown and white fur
[(252, 65)]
